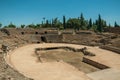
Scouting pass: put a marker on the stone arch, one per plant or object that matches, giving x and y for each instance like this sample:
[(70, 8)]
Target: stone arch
[(43, 38)]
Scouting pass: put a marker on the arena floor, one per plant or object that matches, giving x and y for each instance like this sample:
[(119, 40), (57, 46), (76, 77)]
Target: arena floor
[(23, 60)]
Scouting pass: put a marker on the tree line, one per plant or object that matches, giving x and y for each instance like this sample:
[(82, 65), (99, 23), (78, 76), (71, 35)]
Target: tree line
[(79, 23)]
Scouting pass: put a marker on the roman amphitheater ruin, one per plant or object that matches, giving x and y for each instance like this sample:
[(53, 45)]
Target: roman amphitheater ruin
[(50, 54)]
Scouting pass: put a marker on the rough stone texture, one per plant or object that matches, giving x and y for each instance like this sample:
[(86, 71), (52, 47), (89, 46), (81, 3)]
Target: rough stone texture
[(95, 64), (113, 30), (8, 73), (111, 48), (53, 38)]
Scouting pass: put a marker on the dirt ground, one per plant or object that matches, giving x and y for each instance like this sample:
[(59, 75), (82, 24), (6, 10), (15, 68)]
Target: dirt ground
[(70, 57), (23, 60)]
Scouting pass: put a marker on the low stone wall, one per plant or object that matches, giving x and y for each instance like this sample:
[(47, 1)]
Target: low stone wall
[(53, 38), (95, 64), (111, 48), (113, 30), (5, 31), (84, 32), (83, 50), (61, 47)]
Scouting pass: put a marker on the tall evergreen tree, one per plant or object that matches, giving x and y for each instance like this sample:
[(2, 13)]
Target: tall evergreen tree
[(81, 21), (64, 22), (90, 24), (99, 24), (0, 25), (115, 24), (47, 23)]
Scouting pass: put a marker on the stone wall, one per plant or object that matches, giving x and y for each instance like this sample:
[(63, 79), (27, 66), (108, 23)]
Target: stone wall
[(54, 38), (83, 38), (111, 48), (61, 47), (113, 30), (95, 64)]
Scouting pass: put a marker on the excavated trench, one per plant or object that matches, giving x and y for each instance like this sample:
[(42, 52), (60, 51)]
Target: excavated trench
[(72, 56)]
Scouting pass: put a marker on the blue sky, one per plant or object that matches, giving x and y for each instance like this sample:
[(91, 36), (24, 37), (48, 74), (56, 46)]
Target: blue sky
[(32, 11)]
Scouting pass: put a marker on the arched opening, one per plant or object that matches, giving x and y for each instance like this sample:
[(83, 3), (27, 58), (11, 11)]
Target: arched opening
[(22, 33), (45, 32), (38, 42), (36, 32), (43, 38)]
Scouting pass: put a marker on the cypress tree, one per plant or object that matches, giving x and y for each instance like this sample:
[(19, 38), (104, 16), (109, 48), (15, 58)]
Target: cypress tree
[(90, 24), (99, 24), (0, 25), (115, 24), (81, 21), (47, 23), (64, 22)]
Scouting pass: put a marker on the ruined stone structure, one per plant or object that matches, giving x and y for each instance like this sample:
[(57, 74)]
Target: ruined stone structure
[(113, 30), (11, 38)]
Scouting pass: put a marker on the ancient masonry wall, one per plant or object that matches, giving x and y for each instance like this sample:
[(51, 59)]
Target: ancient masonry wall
[(95, 64), (111, 48), (113, 30)]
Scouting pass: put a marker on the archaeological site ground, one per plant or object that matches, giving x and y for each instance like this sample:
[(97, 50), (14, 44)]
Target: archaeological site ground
[(50, 54)]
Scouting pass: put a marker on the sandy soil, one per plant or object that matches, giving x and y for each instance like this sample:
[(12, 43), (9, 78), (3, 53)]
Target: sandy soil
[(22, 59), (106, 57)]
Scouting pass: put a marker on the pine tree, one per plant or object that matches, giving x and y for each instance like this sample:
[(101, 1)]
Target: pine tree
[(47, 23)]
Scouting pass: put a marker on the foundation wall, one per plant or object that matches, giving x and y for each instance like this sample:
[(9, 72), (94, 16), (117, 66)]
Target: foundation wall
[(111, 48), (113, 30), (95, 64)]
